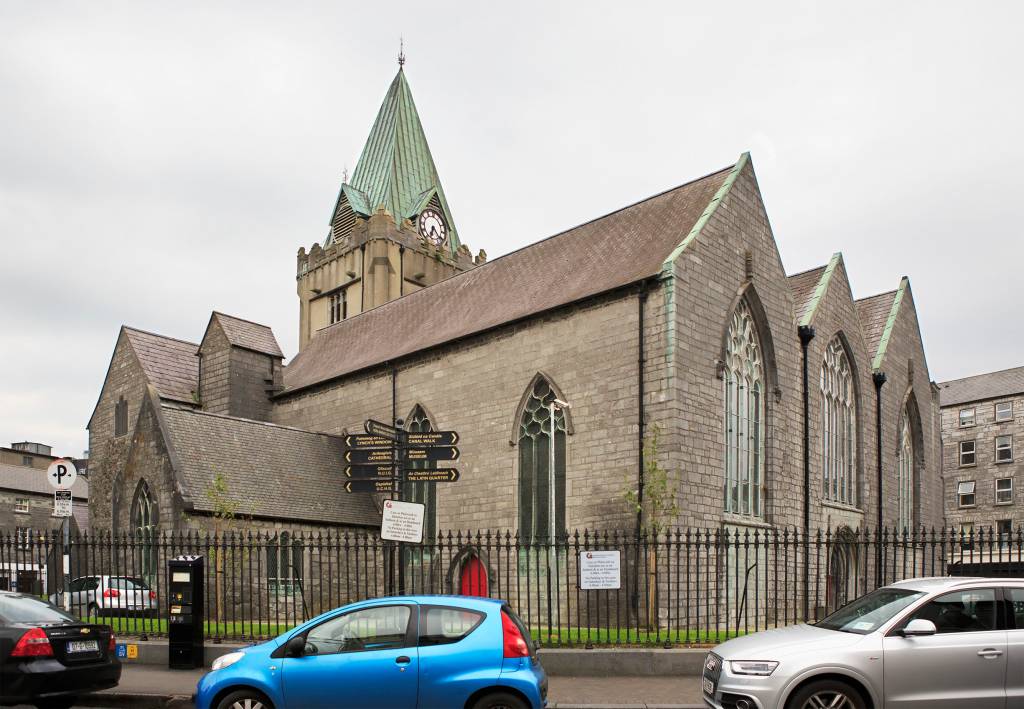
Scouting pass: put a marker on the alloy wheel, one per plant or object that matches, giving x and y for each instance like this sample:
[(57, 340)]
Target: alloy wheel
[(248, 703), (829, 699)]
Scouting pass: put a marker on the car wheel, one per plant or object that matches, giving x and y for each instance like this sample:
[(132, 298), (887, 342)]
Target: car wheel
[(57, 703), (499, 700), (826, 694), (245, 699)]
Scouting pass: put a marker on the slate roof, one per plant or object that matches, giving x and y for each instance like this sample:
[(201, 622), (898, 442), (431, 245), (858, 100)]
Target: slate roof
[(170, 365), (33, 480), (270, 471), (803, 285), (873, 312), (992, 385), (395, 169), (248, 335), (621, 248)]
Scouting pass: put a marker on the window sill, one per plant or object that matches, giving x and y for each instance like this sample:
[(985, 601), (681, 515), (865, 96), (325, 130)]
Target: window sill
[(832, 504), (741, 521), (1004, 462), (967, 507), (1004, 504), (968, 465), (21, 512)]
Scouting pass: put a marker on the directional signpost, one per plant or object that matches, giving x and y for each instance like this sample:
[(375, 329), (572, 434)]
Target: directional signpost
[(386, 457)]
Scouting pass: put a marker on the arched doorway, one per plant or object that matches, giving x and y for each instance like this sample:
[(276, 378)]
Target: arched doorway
[(473, 577), (841, 581)]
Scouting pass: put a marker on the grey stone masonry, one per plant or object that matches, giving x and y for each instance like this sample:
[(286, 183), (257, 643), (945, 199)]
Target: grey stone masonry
[(969, 455)]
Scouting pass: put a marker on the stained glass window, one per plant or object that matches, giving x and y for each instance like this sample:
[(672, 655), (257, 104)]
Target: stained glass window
[(535, 463), (905, 475), (744, 416), (838, 426), (423, 493)]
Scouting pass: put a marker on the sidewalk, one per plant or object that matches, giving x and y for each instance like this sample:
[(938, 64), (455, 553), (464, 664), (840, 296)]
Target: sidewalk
[(149, 687)]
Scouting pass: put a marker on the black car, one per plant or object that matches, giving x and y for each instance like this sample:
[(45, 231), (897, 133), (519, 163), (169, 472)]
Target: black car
[(48, 657)]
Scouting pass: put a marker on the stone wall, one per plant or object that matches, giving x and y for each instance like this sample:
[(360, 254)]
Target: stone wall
[(215, 370), (107, 452)]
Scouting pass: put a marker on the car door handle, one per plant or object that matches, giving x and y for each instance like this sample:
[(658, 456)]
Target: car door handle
[(404, 660), (989, 653)]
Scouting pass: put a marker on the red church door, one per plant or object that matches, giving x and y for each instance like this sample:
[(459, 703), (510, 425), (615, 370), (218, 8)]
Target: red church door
[(473, 580)]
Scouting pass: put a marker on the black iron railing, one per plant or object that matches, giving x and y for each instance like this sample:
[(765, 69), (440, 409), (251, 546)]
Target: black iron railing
[(683, 586)]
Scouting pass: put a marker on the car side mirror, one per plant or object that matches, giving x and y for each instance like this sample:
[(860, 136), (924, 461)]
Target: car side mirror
[(919, 627), (296, 647)]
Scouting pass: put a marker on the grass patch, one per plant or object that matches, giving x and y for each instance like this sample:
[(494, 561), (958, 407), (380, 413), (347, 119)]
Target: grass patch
[(630, 637)]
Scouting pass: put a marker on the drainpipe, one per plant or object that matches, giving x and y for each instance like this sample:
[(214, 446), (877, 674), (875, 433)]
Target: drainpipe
[(879, 379), (806, 333), (641, 300)]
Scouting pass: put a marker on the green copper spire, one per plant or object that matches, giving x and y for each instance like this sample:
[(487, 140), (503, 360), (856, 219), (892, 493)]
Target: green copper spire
[(395, 170)]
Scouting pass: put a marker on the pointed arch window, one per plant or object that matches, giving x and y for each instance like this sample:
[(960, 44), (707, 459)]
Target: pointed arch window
[(534, 442), (144, 520), (423, 493), (744, 416), (838, 426), (120, 417), (905, 475), (284, 563)]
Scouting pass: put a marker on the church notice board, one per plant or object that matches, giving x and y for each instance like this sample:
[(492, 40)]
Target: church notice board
[(600, 570), (402, 521)]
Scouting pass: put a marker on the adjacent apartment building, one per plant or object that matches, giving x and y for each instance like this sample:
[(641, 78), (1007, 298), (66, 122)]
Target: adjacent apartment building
[(982, 429)]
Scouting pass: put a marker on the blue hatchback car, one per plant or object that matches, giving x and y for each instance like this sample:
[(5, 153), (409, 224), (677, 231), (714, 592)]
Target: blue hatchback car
[(406, 652)]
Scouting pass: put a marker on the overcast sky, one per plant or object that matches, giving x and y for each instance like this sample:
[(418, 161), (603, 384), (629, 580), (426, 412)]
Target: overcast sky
[(160, 160)]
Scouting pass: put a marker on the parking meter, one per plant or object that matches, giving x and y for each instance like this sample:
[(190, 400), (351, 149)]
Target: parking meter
[(185, 614)]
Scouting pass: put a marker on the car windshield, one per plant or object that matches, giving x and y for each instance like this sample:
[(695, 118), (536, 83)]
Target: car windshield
[(25, 609), (868, 613)]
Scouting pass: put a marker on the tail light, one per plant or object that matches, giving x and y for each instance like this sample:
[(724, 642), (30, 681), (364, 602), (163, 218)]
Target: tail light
[(515, 643), (34, 643), (152, 595), (111, 593), (112, 645)]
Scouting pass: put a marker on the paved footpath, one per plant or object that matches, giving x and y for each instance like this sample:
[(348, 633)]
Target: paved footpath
[(146, 686)]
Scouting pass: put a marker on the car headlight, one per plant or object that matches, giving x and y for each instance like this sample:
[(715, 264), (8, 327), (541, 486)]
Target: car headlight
[(758, 668), (227, 660)]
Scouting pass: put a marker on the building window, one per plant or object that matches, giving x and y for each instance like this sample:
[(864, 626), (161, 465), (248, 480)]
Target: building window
[(22, 538), (144, 520), (838, 426), (1004, 411), (1004, 491), (966, 417), (744, 416), (535, 462), (905, 475), (424, 493), (965, 493), (284, 564), (966, 535), (338, 306), (21, 505), (1004, 528), (966, 453), (1004, 449), (26, 460), (120, 417)]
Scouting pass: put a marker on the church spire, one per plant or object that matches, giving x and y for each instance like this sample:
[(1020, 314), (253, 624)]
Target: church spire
[(395, 170)]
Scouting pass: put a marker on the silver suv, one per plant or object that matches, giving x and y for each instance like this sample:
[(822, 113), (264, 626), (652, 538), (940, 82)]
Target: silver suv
[(95, 596), (935, 643)]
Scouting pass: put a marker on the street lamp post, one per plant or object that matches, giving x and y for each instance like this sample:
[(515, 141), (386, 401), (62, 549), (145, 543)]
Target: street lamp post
[(555, 405)]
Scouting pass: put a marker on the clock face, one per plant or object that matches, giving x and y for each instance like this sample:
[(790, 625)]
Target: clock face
[(431, 226)]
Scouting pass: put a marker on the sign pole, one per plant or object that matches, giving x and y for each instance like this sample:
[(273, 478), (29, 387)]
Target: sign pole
[(67, 564), (401, 490)]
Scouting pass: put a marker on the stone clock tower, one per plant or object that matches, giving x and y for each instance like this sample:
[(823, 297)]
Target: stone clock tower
[(391, 231)]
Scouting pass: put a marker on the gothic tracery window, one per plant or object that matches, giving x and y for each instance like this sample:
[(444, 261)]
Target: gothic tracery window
[(534, 443), (144, 520), (744, 416), (423, 493), (838, 426), (905, 474)]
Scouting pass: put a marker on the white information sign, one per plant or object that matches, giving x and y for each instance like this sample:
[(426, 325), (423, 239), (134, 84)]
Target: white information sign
[(61, 503), (61, 474), (599, 570), (402, 521)]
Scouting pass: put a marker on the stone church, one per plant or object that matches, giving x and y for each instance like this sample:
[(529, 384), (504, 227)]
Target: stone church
[(778, 400)]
